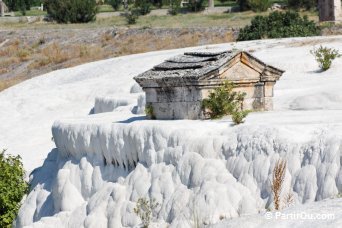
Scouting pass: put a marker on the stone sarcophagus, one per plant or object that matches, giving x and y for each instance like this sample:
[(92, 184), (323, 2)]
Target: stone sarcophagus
[(175, 88)]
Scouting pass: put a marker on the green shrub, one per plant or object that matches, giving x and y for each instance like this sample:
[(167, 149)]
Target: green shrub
[(72, 11), (243, 4), (131, 16), (196, 5), (324, 56), (307, 4), (145, 210), (12, 187), (259, 5), (239, 116), (174, 7), (278, 25), (224, 101), (18, 5), (159, 3), (143, 6), (149, 112), (115, 4)]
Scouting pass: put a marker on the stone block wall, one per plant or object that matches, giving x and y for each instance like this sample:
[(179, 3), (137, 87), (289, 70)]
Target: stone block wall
[(186, 102)]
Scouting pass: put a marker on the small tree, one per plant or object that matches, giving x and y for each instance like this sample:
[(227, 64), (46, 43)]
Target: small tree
[(196, 5), (238, 117), (143, 6), (259, 5), (174, 7), (224, 101), (307, 4), (72, 11), (324, 56), (21, 5), (277, 181), (131, 16), (145, 209), (12, 187), (243, 4), (115, 4), (149, 112)]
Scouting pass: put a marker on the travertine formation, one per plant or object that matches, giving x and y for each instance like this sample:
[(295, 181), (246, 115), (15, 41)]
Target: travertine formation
[(330, 10), (175, 88)]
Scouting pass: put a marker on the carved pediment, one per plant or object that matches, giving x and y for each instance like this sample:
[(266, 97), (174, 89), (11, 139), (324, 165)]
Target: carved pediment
[(240, 72), (205, 68)]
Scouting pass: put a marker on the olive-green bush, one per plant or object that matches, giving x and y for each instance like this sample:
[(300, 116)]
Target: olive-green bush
[(115, 4), (196, 5), (12, 187), (224, 101), (72, 11), (255, 5), (307, 4), (324, 56), (143, 6), (132, 15), (174, 7), (259, 5), (278, 25)]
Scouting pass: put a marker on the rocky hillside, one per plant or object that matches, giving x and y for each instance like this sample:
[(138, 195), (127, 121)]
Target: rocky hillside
[(25, 53)]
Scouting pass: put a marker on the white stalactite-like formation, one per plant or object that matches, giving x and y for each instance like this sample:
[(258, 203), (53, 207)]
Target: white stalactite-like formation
[(211, 170)]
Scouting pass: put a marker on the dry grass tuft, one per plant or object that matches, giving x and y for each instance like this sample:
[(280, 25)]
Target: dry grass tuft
[(288, 199), (54, 53), (277, 181), (6, 83)]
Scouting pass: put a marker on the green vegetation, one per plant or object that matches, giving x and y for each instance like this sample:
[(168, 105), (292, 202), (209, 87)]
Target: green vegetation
[(12, 187), (259, 5), (196, 5), (142, 6), (224, 101), (307, 4), (324, 56), (255, 5), (225, 3), (174, 7), (145, 210), (31, 13), (189, 20), (239, 116), (149, 111), (18, 5), (131, 16), (73, 11), (278, 25), (114, 5)]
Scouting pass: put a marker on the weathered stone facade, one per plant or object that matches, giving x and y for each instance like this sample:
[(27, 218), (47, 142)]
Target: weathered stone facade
[(175, 89), (330, 10)]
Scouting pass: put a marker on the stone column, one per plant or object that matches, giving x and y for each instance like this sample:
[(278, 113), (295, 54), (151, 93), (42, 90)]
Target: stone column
[(338, 10), (329, 10), (2, 9), (211, 4)]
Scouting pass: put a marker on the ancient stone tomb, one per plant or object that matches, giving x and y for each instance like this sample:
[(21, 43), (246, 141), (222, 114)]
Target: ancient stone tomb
[(175, 88)]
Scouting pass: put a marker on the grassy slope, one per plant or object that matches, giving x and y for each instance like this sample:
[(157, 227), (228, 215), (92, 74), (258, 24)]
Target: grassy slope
[(59, 54), (189, 20)]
